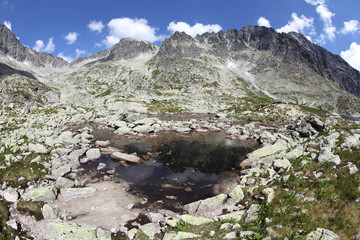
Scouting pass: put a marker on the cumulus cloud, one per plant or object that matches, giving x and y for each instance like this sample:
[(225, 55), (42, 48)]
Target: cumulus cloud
[(300, 24), (194, 30), (352, 55), (263, 22), (79, 52), (315, 2), (8, 24), (66, 58), (40, 46), (96, 26), (71, 37), (128, 27), (326, 16), (50, 47), (350, 27)]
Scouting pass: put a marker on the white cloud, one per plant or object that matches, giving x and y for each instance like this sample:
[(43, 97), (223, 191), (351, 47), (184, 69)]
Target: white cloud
[(5, 2), (300, 24), (71, 37), (96, 26), (315, 2), (263, 22), (68, 59), (40, 46), (194, 30), (352, 55), (50, 47), (8, 24), (326, 16), (79, 52), (350, 27), (127, 27)]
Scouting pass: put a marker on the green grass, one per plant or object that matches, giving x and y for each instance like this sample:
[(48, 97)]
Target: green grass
[(313, 110), (106, 93), (24, 168), (164, 107), (31, 208), (155, 73), (334, 207)]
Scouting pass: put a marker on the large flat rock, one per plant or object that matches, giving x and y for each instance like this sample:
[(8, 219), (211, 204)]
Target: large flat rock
[(126, 157), (77, 192)]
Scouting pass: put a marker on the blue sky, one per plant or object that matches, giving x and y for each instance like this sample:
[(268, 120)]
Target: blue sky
[(79, 28)]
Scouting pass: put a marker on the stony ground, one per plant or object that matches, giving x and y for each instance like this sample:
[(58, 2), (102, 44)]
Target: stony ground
[(302, 183)]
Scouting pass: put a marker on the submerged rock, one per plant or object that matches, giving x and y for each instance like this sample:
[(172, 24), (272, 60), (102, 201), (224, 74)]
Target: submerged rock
[(93, 154), (126, 157)]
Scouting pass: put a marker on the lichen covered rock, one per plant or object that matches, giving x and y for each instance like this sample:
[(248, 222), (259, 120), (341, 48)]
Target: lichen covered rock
[(48, 193), (74, 231)]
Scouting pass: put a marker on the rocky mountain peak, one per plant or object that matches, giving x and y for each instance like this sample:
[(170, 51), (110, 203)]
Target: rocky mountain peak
[(12, 47), (292, 50), (128, 48)]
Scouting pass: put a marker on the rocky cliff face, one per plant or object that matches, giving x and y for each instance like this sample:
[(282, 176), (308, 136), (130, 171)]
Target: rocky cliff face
[(284, 66), (129, 48), (12, 47), (291, 49)]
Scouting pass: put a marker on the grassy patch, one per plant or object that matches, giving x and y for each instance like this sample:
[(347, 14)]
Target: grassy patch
[(155, 73), (333, 203), (313, 110), (24, 168), (4, 215), (31, 208), (165, 107), (106, 93)]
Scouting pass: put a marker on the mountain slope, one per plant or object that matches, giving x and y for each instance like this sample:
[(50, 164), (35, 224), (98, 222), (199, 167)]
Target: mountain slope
[(286, 66), (211, 72), (11, 47)]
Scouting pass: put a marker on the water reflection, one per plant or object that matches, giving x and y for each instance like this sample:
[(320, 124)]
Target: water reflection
[(180, 169)]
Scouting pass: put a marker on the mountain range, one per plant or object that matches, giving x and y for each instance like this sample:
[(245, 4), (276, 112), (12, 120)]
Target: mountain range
[(211, 72)]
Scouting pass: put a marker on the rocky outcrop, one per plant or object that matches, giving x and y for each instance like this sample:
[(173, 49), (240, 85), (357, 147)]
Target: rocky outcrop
[(129, 48), (291, 49), (66, 230), (11, 46)]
